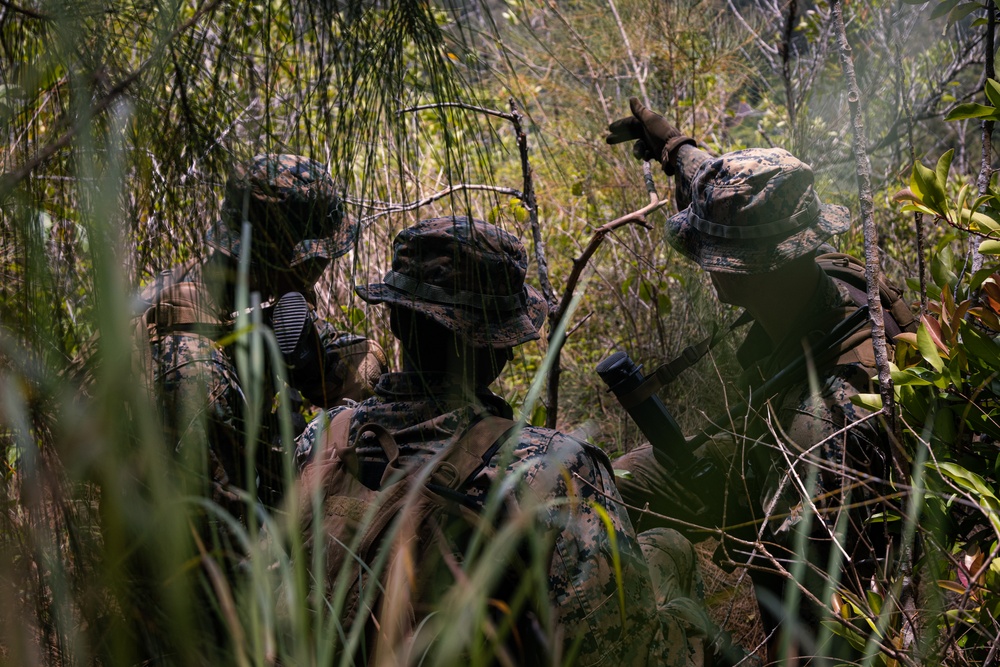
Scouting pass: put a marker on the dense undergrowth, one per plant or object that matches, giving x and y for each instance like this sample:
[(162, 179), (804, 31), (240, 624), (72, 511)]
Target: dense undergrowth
[(119, 119)]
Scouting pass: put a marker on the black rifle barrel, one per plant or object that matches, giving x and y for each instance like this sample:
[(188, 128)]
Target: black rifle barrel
[(622, 375)]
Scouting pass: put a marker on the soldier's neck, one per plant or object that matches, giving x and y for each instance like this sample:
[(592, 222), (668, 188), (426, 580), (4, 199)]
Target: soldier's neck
[(781, 303)]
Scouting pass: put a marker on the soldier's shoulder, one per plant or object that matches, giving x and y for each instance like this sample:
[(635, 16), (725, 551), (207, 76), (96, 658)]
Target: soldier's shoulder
[(562, 447)]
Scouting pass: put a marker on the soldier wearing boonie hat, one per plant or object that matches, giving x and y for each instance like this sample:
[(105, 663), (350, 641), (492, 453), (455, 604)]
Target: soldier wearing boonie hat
[(295, 214), (753, 220), (458, 304), (297, 226), (468, 277)]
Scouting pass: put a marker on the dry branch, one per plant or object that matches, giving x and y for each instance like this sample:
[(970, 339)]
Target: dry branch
[(985, 168), (388, 208), (579, 264)]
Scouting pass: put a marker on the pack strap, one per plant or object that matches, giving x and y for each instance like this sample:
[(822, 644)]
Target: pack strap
[(472, 452), (335, 436), (465, 458)]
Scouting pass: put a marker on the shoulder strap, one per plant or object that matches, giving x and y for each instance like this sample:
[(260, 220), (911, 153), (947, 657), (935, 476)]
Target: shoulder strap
[(460, 464), (336, 436), (467, 456), (473, 451), (849, 271)]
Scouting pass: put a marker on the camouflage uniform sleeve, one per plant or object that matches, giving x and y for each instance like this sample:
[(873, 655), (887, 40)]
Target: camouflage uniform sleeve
[(351, 366), (202, 406), (689, 160), (602, 612)]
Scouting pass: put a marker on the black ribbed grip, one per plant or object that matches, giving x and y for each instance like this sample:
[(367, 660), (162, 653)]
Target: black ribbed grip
[(622, 375), (288, 321)]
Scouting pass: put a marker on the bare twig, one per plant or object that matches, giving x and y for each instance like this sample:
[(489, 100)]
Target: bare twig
[(530, 203), (388, 208), (459, 105), (785, 50), (636, 217), (639, 78), (917, 216), (30, 13), (526, 194)]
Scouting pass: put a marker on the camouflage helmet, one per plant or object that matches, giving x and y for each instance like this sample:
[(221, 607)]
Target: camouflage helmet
[(293, 209), (752, 211), (466, 275)]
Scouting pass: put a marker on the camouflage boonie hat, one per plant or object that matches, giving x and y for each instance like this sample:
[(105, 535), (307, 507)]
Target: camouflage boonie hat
[(752, 211), (293, 209), (468, 276)]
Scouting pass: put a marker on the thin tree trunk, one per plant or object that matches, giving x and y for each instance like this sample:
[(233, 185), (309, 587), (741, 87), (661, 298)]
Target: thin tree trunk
[(873, 268), (785, 50), (918, 218), (985, 165)]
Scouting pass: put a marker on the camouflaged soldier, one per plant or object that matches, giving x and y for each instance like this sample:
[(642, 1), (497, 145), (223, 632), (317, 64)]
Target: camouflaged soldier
[(297, 227), (458, 304), (752, 219)]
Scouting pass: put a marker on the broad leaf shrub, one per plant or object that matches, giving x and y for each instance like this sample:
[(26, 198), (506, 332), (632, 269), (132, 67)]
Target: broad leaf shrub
[(947, 385)]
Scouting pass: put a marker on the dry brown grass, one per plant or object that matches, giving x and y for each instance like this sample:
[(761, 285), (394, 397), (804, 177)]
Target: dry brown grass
[(729, 598)]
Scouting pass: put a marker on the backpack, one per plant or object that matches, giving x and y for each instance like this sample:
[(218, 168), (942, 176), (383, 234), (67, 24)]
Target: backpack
[(849, 272), (389, 531)]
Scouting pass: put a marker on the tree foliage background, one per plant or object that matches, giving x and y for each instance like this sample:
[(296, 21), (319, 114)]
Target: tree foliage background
[(121, 118)]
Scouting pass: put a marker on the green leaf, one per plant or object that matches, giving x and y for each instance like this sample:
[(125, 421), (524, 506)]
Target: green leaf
[(871, 402), (983, 348), (990, 247), (942, 271), (964, 479), (909, 378), (663, 304), (855, 639), (970, 110), (980, 276), (963, 194), (993, 92), (962, 11), (627, 284), (942, 167), (943, 8), (645, 291), (928, 349), (918, 208), (874, 601), (924, 182), (538, 415), (520, 212), (980, 222)]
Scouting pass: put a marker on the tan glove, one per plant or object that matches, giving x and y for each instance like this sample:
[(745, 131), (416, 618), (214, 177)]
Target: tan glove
[(655, 138), (361, 365)]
